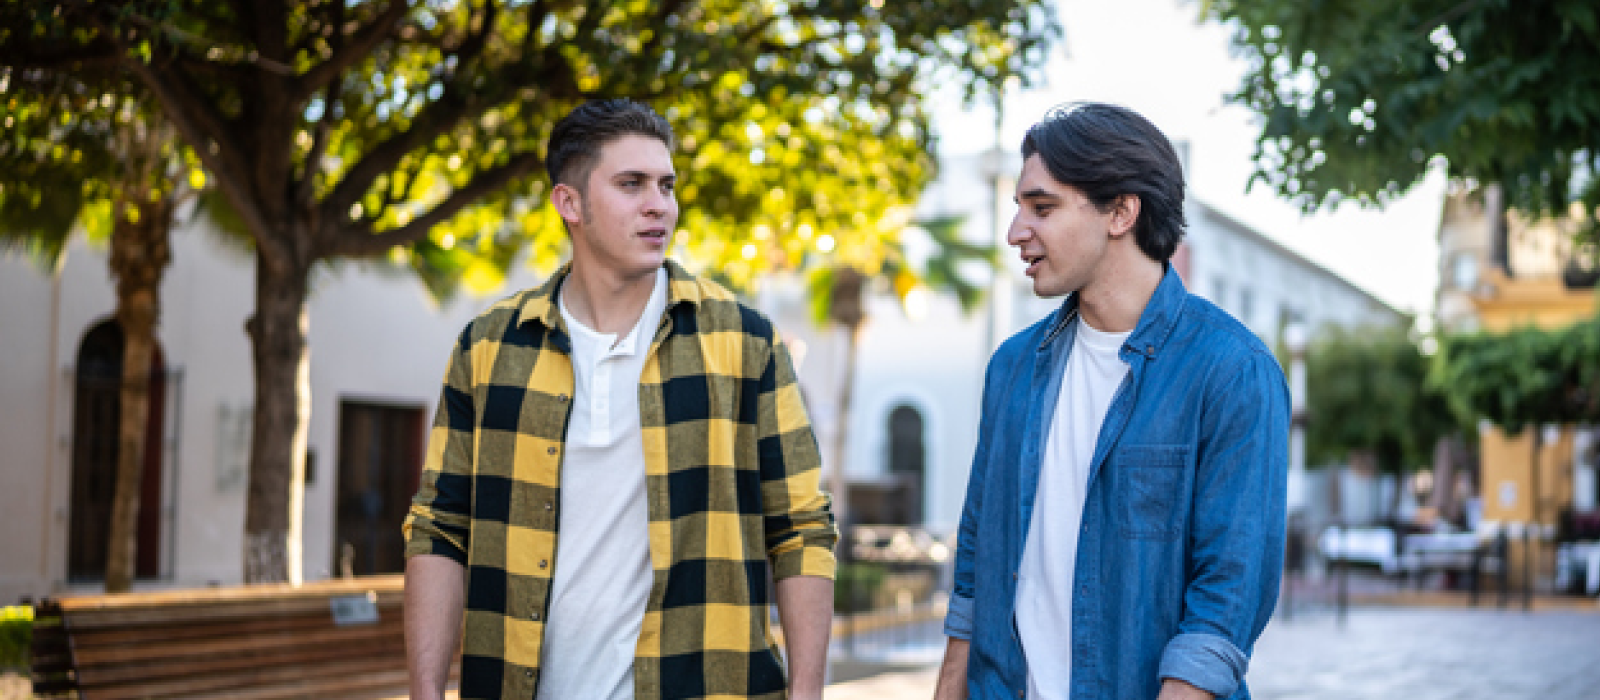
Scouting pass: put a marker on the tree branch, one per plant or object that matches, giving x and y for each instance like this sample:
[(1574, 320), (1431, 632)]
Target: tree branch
[(167, 29), (454, 104), (356, 240), (351, 49), (98, 53), (321, 136), (201, 126)]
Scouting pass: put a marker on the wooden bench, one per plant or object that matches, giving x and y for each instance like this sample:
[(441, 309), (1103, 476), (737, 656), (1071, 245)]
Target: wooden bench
[(340, 638)]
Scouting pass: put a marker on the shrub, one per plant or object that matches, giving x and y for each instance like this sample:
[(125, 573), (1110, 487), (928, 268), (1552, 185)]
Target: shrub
[(16, 636)]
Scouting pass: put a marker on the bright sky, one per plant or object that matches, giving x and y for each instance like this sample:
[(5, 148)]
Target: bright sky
[(1154, 56)]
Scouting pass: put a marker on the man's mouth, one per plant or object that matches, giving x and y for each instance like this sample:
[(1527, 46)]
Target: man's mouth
[(658, 234), (1032, 260)]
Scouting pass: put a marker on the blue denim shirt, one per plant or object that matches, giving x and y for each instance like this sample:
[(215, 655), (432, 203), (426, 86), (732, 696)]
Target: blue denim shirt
[(1181, 545)]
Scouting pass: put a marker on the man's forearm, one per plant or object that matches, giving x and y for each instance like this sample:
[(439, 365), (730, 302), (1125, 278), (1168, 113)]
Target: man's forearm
[(805, 608), (435, 601), (953, 672), (1174, 689)]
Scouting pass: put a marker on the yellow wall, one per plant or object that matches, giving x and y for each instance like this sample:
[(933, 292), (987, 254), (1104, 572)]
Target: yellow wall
[(1542, 302), (1508, 304), (1508, 483)]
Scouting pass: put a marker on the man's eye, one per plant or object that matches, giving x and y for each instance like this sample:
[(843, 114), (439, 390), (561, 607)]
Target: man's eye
[(669, 186), (1041, 210)]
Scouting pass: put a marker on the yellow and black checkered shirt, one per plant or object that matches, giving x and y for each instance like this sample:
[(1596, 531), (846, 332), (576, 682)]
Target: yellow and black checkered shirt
[(732, 473)]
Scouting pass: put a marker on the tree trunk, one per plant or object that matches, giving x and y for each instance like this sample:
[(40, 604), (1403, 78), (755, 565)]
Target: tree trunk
[(846, 307), (273, 514), (140, 252), (1444, 478), (837, 483), (1496, 206), (1534, 494)]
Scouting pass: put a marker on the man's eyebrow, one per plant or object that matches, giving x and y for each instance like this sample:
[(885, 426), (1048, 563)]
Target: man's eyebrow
[(1035, 193), (624, 174)]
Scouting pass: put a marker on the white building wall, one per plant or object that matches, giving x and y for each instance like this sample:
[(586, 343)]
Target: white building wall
[(374, 337), (27, 439)]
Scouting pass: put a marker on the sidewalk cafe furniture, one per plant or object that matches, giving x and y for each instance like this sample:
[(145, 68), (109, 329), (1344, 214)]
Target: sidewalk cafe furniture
[(1579, 556), (1365, 545)]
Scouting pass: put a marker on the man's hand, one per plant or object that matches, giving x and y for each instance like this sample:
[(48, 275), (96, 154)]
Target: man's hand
[(953, 672), (1174, 689)]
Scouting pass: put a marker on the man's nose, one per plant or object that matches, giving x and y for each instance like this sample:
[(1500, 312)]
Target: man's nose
[(658, 202), (1017, 233)]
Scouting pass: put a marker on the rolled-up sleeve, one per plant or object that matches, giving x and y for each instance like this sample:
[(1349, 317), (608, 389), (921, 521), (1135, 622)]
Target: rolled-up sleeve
[(800, 532), (1238, 535), (439, 521), (958, 620)]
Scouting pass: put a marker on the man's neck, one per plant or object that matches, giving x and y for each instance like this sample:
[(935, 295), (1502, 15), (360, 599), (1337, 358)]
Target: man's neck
[(1115, 301), (604, 301)]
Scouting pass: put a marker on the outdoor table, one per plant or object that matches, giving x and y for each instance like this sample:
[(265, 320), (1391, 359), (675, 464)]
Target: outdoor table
[(1438, 550)]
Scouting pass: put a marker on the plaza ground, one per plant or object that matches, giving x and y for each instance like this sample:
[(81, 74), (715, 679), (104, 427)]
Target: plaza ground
[(1436, 651)]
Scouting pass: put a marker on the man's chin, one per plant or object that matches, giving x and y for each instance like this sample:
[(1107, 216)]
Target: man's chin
[(1045, 290)]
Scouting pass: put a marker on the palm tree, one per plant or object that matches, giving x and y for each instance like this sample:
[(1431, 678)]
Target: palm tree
[(837, 292), (73, 155)]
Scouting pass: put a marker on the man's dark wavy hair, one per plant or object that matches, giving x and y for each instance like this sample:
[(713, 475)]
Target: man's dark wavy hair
[(1107, 151), (576, 140)]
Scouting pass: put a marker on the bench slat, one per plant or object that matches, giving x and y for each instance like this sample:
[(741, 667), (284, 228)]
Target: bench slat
[(271, 682), (245, 644), (191, 629), (87, 618)]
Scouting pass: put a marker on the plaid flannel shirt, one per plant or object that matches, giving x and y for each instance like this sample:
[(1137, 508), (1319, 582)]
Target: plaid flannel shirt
[(732, 471)]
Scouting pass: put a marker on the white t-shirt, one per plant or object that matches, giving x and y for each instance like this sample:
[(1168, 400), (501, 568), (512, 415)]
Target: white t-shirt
[(602, 576), (1045, 577)]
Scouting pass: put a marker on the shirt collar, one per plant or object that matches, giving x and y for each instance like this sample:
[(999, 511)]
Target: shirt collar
[(541, 303), (1155, 322)]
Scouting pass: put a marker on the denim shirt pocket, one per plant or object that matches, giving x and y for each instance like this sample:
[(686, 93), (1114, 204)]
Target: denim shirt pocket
[(1152, 479)]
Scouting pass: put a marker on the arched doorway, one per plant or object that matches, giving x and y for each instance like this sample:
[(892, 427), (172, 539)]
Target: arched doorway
[(907, 460), (97, 410)]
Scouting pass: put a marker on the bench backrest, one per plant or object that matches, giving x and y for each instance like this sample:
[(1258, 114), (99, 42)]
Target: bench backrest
[(338, 638)]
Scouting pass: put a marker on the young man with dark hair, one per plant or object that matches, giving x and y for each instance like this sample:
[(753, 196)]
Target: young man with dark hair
[(619, 462), (1124, 523)]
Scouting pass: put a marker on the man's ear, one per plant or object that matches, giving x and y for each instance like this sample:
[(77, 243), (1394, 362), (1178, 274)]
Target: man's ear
[(1124, 214), (568, 202)]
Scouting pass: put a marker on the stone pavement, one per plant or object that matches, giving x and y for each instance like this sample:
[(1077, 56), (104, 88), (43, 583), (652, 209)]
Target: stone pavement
[(1430, 653)]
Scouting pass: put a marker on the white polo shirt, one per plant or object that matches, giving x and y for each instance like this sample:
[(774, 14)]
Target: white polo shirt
[(601, 583)]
